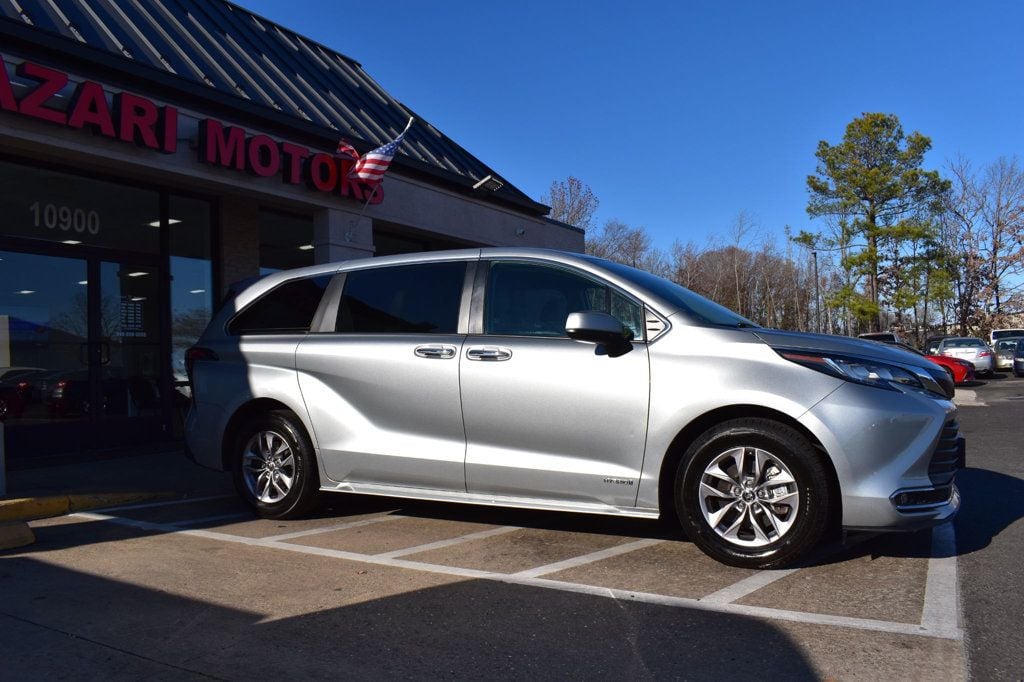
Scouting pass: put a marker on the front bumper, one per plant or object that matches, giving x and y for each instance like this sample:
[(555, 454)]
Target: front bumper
[(896, 455)]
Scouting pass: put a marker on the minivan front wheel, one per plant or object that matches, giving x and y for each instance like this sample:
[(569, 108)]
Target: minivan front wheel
[(274, 466), (752, 493)]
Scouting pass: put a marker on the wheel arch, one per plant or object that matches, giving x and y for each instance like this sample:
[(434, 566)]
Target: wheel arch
[(245, 412), (708, 420)]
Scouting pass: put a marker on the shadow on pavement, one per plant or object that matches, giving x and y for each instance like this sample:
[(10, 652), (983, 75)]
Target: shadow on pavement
[(65, 624), (991, 502)]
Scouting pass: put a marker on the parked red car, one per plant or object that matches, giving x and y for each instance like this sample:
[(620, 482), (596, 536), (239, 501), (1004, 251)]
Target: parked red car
[(962, 370)]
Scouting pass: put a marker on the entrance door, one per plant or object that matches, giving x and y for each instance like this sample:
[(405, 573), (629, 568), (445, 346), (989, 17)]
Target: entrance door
[(80, 354), (126, 354)]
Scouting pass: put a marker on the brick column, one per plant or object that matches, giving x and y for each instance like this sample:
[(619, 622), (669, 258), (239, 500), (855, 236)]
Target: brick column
[(239, 240)]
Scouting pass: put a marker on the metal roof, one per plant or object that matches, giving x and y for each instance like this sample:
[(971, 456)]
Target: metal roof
[(232, 52)]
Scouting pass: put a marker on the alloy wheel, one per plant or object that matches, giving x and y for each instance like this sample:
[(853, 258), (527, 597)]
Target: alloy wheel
[(268, 466), (749, 497)]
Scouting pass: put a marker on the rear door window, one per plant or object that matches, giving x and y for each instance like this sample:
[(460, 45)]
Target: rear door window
[(285, 309), (404, 299)]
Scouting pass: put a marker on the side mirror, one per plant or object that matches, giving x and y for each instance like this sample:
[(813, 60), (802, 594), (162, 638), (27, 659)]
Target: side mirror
[(594, 327)]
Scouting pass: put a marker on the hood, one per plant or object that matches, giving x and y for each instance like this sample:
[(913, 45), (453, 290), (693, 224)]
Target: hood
[(868, 350), (844, 345)]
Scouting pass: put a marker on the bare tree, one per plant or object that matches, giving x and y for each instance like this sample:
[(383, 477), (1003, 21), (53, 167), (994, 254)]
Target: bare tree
[(571, 201), (628, 245), (982, 234)]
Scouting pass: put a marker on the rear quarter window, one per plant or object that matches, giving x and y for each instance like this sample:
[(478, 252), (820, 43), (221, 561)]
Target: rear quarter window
[(286, 309)]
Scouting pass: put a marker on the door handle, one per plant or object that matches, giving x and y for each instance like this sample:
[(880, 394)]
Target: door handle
[(492, 353), (439, 351)]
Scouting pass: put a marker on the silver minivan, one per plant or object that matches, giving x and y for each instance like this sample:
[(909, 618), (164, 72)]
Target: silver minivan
[(557, 381)]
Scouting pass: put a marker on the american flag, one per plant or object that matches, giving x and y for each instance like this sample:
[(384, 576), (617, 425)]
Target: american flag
[(345, 149), (373, 164)]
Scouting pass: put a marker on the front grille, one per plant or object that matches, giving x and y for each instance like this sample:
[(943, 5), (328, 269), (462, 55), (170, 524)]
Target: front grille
[(947, 456)]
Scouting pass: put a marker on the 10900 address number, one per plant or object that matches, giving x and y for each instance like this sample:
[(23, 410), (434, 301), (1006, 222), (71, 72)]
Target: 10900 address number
[(65, 218)]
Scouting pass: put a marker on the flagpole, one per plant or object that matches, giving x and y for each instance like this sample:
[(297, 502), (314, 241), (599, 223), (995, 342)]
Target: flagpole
[(355, 221)]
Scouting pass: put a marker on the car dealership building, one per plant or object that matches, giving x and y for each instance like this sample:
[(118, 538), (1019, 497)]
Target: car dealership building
[(152, 154)]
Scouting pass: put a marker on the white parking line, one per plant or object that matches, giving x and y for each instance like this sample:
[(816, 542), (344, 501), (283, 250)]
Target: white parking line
[(331, 529), (586, 558), (440, 544), (214, 519), (163, 503), (748, 585), (930, 627), (753, 583), (941, 595)]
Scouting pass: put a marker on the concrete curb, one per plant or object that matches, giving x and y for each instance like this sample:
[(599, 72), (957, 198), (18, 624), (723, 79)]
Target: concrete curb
[(31, 508)]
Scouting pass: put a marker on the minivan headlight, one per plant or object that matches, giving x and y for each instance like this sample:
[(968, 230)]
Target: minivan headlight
[(857, 370)]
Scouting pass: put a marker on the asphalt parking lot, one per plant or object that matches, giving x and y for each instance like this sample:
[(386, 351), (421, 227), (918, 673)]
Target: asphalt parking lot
[(396, 589)]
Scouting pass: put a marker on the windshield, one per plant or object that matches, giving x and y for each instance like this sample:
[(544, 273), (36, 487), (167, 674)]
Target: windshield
[(1003, 333), (963, 343), (697, 307)]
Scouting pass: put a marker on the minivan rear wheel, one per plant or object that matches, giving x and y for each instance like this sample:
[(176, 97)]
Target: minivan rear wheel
[(752, 493), (274, 466)]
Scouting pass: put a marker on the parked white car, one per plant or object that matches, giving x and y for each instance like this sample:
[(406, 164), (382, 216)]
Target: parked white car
[(972, 349)]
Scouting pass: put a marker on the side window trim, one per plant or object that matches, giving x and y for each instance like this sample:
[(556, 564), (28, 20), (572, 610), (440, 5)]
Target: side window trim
[(466, 300), (480, 293), (323, 321), (476, 305)]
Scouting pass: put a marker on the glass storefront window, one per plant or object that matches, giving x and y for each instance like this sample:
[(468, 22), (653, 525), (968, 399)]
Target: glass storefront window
[(191, 278), (59, 207), (286, 241), (43, 337), (86, 316)]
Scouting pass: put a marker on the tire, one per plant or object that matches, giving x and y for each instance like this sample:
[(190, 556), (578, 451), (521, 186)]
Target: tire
[(274, 467), (726, 513)]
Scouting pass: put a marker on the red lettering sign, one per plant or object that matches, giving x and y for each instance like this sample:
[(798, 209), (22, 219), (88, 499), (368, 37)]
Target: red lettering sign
[(89, 108), (323, 173), (7, 100), (262, 156), (137, 118), (294, 156), (169, 124), (133, 118), (222, 146), (50, 83)]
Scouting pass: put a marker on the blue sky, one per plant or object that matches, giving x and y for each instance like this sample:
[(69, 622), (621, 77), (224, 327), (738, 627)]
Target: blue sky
[(679, 115)]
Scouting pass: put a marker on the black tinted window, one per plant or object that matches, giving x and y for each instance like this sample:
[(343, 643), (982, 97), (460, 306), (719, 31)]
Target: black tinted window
[(405, 299), (285, 309), (534, 300)]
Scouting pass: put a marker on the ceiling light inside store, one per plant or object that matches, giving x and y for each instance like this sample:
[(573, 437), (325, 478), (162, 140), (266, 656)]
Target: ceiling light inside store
[(84, 281), (197, 291), (137, 274), (306, 247), (71, 241), (138, 298), (25, 292), (170, 221)]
